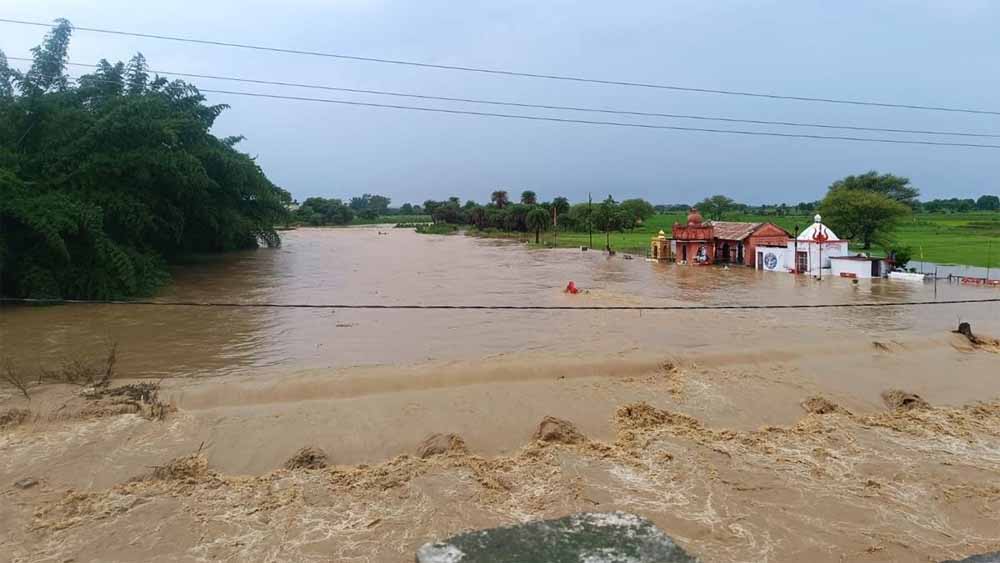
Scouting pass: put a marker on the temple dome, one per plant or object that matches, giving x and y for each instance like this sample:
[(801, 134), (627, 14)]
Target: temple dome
[(818, 228), (694, 218)]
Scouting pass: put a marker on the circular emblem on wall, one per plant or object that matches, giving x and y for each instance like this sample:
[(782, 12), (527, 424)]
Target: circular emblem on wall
[(770, 261)]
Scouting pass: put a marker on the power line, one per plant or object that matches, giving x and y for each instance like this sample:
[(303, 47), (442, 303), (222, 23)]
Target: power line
[(587, 121), (550, 107), (25, 301), (502, 72), (606, 123)]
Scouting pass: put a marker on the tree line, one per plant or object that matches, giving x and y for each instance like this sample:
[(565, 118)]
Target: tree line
[(717, 206), (528, 215), (106, 181), (501, 214)]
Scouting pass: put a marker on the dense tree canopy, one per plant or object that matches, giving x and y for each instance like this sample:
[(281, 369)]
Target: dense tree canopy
[(321, 211), (103, 182), (716, 206), (896, 188), (370, 206), (864, 216), (988, 203), (638, 210)]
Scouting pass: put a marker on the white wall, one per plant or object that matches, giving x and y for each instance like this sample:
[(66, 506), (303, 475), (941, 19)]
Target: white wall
[(861, 269)]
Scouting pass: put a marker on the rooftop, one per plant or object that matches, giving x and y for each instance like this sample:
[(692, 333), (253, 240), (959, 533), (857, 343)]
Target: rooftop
[(731, 230)]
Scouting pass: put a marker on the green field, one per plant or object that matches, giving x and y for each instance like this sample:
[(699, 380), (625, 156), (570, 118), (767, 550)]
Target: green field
[(955, 238)]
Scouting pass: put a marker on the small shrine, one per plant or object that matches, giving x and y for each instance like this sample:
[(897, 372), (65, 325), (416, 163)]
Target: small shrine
[(659, 247), (692, 242)]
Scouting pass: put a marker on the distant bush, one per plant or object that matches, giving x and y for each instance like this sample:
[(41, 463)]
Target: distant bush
[(437, 229), (383, 219)]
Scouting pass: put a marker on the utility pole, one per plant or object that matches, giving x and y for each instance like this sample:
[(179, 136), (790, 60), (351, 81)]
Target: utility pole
[(590, 219), (989, 249), (795, 253), (555, 224), (820, 261)]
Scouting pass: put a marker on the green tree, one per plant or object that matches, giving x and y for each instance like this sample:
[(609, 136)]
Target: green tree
[(537, 220), (8, 79), (102, 187), (136, 75), (607, 217), (901, 255), (320, 211), (48, 67), (716, 206), (370, 206), (477, 217), (500, 199), (528, 197), (896, 188), (638, 210), (430, 205), (579, 216), (988, 203), (406, 209), (862, 215), (561, 205), (519, 216)]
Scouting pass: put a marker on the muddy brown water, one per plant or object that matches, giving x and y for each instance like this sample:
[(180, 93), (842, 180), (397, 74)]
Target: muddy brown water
[(732, 468), (358, 265)]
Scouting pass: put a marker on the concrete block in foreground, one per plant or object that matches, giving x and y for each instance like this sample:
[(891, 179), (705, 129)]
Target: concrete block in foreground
[(595, 537), (981, 558)]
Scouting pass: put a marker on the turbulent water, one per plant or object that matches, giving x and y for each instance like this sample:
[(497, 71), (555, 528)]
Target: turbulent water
[(747, 435), (362, 266)]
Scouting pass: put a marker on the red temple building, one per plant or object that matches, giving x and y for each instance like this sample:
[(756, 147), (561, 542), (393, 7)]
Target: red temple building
[(711, 242)]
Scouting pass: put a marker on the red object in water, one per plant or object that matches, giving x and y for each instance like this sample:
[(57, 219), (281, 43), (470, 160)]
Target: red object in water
[(571, 288)]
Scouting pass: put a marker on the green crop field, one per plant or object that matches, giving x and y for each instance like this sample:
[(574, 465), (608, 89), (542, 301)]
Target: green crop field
[(945, 238)]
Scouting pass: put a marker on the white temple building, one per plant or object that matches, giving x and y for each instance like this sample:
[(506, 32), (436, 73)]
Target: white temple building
[(809, 253)]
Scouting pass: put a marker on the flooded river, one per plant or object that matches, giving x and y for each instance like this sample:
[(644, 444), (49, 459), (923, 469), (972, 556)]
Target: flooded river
[(824, 435), (361, 266)]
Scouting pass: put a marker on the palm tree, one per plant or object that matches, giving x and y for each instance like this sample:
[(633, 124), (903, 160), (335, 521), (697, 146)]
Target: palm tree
[(537, 220), (561, 204), (528, 197), (500, 199)]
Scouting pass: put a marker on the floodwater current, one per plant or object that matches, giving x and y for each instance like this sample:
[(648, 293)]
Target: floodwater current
[(367, 266)]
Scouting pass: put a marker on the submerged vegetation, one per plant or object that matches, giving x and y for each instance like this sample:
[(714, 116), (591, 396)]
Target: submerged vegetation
[(436, 228), (105, 181)]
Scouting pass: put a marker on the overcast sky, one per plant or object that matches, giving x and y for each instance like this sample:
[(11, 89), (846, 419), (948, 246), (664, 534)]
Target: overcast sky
[(928, 53)]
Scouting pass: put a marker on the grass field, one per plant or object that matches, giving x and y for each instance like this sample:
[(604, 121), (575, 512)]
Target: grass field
[(958, 238)]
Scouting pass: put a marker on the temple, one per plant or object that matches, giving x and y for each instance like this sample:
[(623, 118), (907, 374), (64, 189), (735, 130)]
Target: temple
[(815, 251), (723, 242)]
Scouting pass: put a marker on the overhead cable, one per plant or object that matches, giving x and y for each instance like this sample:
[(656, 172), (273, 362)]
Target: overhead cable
[(389, 306), (549, 106), (521, 74)]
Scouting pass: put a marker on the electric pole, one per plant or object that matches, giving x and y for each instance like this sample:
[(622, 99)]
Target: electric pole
[(590, 219)]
